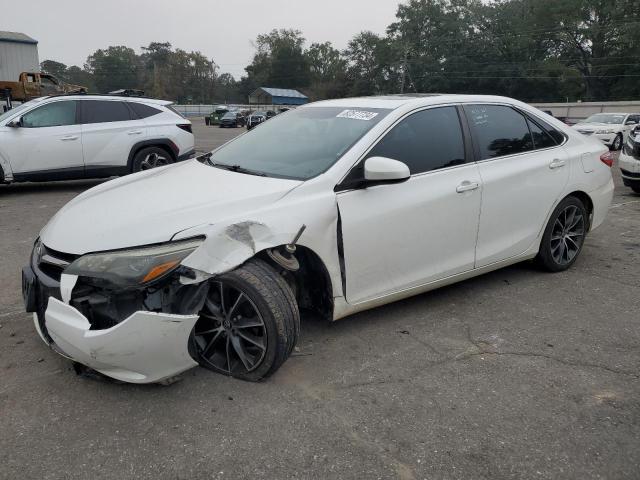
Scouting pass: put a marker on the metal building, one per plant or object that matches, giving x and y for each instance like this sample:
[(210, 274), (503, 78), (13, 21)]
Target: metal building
[(277, 96), (18, 53)]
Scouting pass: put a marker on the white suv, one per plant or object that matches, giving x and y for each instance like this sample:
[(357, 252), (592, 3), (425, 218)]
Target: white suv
[(88, 136)]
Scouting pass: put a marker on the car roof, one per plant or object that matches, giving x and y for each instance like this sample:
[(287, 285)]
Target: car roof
[(88, 96), (416, 99)]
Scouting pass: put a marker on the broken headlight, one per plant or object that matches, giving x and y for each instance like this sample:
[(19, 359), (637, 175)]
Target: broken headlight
[(136, 266)]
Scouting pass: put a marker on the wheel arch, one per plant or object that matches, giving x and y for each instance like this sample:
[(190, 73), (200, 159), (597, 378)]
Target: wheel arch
[(585, 199), (163, 143), (311, 284)]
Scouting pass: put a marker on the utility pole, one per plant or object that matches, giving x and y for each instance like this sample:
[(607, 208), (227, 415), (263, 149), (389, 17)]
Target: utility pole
[(404, 71)]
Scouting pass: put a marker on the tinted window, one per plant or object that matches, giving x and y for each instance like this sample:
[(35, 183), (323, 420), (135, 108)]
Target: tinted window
[(498, 130), (100, 111), (557, 135), (427, 140), (541, 139), (142, 110), (51, 115)]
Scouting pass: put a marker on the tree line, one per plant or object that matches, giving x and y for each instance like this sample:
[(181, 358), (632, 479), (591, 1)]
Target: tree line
[(533, 50)]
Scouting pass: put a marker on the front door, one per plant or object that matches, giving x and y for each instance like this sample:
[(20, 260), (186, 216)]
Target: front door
[(48, 140), (403, 235)]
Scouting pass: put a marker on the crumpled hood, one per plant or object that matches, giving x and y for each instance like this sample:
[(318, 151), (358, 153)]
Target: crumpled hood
[(152, 206)]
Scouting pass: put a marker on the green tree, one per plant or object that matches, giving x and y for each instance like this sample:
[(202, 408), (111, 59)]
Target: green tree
[(114, 68)]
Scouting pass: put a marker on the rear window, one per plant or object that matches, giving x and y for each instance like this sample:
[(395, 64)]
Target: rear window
[(142, 110), (103, 111)]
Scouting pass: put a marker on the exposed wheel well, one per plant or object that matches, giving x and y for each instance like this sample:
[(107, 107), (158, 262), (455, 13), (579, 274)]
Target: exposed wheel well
[(311, 283)]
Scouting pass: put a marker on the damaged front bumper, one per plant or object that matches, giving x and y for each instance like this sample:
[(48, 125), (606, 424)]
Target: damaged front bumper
[(143, 347), (146, 347)]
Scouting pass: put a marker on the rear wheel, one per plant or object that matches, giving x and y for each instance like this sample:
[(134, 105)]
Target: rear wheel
[(564, 235), (151, 157), (249, 323)]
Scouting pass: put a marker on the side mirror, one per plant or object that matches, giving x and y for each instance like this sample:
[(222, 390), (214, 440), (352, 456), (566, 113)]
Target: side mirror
[(17, 123), (382, 169)]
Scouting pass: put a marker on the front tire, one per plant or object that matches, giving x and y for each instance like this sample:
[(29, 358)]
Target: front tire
[(564, 235), (617, 143), (249, 324)]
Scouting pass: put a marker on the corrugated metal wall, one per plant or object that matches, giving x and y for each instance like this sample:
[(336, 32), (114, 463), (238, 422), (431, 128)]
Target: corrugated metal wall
[(16, 58)]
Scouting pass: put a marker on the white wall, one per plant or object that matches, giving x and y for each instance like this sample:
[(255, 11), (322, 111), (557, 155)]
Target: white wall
[(575, 111), (16, 58)]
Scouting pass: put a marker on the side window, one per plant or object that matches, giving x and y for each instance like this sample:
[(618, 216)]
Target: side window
[(498, 130), (425, 141), (634, 118), (142, 110), (54, 114), (541, 139), (102, 111)]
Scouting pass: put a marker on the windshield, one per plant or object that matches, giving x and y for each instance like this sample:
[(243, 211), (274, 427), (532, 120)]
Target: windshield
[(229, 115), (18, 109), (611, 118), (301, 143)]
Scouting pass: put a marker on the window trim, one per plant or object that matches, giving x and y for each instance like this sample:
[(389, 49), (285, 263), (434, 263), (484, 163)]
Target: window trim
[(46, 104), (526, 115), (466, 139)]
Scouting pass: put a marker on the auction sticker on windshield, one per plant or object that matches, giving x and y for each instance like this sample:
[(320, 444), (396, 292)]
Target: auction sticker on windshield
[(357, 114)]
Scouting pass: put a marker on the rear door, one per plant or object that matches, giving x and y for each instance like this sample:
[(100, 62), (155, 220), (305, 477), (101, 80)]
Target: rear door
[(110, 129), (49, 140), (523, 171)]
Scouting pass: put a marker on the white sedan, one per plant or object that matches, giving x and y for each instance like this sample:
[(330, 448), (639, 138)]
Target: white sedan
[(612, 129), (335, 207)]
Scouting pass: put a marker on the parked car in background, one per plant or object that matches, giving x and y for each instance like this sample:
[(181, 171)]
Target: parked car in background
[(233, 119), (336, 207), (612, 129), (255, 119), (214, 117), (88, 136), (629, 160), (270, 114)]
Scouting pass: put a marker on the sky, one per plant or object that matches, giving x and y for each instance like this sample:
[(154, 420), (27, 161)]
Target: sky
[(70, 30)]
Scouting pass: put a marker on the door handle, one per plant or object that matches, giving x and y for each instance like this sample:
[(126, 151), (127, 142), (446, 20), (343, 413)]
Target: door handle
[(134, 132), (556, 163), (69, 138), (467, 186)]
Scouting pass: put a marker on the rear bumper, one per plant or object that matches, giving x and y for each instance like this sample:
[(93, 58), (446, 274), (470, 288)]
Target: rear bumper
[(601, 198)]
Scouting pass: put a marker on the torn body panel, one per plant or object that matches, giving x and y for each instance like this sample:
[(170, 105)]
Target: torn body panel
[(232, 242), (146, 347)]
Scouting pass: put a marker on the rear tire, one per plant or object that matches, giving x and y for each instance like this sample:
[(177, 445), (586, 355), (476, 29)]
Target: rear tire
[(564, 235), (249, 324), (151, 157)]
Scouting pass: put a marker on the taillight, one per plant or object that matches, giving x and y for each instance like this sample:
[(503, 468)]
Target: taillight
[(185, 126), (607, 158)]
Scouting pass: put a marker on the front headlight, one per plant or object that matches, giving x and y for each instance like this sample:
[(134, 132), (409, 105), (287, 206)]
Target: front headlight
[(135, 266), (602, 132)]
